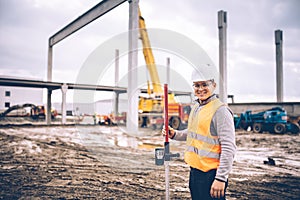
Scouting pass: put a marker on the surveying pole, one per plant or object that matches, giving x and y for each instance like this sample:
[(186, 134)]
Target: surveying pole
[(167, 147), (163, 155)]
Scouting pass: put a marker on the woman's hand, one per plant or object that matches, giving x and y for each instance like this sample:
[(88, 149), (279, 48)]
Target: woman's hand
[(171, 132), (217, 189)]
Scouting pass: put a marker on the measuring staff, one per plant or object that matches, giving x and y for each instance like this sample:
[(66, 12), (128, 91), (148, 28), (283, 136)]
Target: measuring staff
[(163, 155)]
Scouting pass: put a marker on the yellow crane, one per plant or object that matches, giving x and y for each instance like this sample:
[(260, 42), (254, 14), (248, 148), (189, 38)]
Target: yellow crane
[(151, 107), (148, 55), (153, 103)]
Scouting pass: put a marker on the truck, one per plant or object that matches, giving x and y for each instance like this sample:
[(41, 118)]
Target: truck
[(274, 120), (178, 117)]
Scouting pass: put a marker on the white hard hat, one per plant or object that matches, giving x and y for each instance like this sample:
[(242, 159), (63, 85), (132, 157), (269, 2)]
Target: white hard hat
[(203, 73), (197, 76)]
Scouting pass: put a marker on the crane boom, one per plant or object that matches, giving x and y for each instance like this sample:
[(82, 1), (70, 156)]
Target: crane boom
[(148, 55), (151, 106)]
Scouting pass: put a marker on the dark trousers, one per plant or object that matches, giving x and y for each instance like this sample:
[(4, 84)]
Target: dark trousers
[(200, 184)]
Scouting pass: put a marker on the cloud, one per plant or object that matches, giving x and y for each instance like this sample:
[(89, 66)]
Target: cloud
[(25, 27)]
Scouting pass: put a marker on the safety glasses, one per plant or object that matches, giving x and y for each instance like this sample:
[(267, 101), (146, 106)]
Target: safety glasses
[(202, 85)]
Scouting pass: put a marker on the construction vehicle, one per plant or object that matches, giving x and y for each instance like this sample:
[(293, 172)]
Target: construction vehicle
[(151, 104), (273, 120), (36, 111)]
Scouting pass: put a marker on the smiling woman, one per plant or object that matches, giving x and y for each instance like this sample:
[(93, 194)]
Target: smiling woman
[(204, 89), (210, 139)]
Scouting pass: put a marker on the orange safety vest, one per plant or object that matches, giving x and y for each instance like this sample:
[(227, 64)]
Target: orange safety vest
[(203, 150)]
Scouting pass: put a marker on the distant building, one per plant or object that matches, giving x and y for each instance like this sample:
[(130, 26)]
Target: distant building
[(10, 96)]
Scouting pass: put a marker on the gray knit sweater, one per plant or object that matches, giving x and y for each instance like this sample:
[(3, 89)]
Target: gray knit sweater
[(222, 126)]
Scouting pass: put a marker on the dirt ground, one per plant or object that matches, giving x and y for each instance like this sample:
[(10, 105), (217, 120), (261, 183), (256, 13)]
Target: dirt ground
[(95, 162)]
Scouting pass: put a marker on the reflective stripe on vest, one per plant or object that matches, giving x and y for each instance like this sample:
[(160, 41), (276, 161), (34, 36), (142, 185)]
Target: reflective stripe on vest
[(203, 153), (203, 150)]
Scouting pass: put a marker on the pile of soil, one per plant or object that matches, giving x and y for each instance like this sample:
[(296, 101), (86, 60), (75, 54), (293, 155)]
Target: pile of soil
[(55, 163)]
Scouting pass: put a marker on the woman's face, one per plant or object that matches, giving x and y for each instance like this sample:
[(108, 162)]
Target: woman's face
[(204, 89)]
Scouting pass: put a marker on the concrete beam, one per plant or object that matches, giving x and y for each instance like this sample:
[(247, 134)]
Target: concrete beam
[(13, 82), (86, 18), (89, 16)]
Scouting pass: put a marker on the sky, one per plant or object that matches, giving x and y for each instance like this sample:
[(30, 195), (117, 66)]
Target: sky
[(25, 27)]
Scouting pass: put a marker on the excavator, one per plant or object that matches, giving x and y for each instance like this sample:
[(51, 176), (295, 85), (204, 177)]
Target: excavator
[(36, 111), (151, 105)]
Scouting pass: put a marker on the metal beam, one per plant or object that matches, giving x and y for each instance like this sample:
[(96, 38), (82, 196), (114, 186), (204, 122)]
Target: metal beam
[(86, 18)]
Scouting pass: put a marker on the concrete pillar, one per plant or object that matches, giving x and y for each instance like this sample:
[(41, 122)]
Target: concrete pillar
[(222, 26), (48, 114), (132, 91), (50, 58), (49, 91), (64, 89), (279, 65), (116, 103), (168, 71)]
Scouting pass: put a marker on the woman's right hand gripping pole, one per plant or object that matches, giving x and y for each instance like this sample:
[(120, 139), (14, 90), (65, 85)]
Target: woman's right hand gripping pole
[(171, 134)]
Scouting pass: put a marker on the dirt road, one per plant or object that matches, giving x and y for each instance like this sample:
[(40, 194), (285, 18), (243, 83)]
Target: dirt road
[(80, 162)]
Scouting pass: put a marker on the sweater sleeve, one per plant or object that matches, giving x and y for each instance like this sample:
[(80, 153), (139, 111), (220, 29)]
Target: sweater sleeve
[(180, 135), (223, 127)]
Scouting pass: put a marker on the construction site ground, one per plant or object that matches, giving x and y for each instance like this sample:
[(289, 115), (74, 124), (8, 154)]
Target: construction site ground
[(100, 162)]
